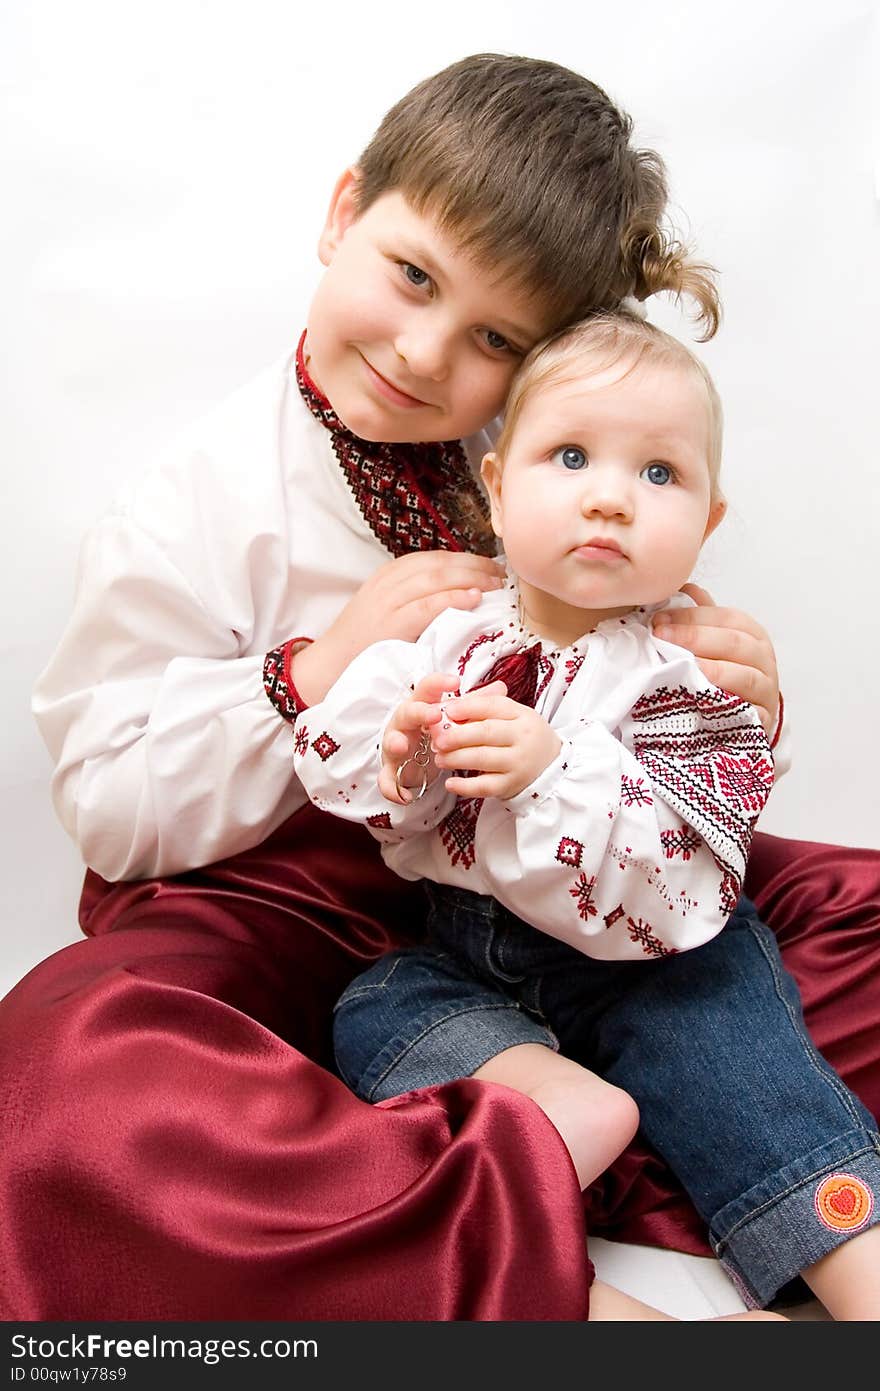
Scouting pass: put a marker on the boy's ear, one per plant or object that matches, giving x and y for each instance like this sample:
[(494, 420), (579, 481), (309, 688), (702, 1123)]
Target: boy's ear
[(340, 215), (716, 513), (490, 472)]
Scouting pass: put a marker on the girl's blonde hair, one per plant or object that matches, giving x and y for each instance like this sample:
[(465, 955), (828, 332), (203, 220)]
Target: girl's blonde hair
[(600, 342)]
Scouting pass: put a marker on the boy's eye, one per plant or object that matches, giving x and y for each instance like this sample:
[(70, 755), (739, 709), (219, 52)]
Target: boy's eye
[(415, 275), (497, 342), (657, 473), (571, 457)]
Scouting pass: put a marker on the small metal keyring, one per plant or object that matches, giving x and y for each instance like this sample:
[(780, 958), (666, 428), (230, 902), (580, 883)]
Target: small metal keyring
[(421, 758)]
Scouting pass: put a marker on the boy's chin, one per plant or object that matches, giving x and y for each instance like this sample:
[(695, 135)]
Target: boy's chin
[(374, 425)]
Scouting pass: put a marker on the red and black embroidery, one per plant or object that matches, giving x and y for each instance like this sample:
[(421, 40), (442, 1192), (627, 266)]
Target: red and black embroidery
[(681, 842), (729, 893), (647, 939), (325, 747), (570, 852), (614, 916), (278, 683), (545, 669), (573, 666), (301, 739), (458, 831), (413, 497), (381, 821), (477, 642), (745, 780), (634, 793), (582, 892), (708, 758)]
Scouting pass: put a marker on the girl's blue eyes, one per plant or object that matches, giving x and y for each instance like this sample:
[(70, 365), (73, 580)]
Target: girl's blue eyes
[(657, 473), (571, 457)]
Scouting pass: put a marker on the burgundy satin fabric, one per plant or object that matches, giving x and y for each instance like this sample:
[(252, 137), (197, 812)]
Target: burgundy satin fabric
[(176, 1147)]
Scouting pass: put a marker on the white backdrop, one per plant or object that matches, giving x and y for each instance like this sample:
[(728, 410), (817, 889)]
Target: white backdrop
[(164, 172)]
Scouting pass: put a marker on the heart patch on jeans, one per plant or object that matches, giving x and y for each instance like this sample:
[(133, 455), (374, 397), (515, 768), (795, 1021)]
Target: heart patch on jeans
[(843, 1202)]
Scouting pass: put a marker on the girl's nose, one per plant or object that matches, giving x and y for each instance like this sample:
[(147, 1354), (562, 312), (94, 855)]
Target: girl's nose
[(607, 497)]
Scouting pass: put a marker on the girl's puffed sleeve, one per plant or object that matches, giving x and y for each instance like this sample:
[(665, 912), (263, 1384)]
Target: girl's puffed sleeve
[(338, 743), (633, 842)]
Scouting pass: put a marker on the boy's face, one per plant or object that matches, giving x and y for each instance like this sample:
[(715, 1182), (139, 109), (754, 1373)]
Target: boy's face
[(408, 338), (604, 498)]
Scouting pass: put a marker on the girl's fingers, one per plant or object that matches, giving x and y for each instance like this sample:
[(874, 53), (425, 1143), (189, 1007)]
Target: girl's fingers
[(489, 703), (432, 687), (413, 715), (396, 743), (387, 784), (476, 733), (485, 785), (485, 758)]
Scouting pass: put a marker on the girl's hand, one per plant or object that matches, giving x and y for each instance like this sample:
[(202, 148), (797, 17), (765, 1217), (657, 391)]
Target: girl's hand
[(403, 735), (398, 601), (733, 651), (507, 743)]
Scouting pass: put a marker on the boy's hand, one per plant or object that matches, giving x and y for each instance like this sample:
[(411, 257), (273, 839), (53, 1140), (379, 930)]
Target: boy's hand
[(507, 743), (733, 651), (398, 601)]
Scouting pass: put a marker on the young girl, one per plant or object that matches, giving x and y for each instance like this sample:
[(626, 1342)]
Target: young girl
[(178, 1146), (605, 793)]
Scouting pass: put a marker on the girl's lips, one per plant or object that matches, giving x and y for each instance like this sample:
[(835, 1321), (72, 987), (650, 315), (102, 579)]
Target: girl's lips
[(596, 550), (391, 392)]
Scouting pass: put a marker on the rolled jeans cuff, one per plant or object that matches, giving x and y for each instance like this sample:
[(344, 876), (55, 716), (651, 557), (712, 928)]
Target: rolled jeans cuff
[(767, 1236)]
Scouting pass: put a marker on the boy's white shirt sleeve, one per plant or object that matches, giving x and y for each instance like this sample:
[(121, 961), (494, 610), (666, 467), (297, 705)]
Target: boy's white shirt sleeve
[(633, 843), (243, 537)]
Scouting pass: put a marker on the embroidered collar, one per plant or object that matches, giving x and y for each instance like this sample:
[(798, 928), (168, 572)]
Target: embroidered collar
[(413, 497)]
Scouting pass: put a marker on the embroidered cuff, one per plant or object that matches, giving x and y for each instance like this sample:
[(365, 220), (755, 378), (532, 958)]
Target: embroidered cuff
[(779, 719), (278, 682)]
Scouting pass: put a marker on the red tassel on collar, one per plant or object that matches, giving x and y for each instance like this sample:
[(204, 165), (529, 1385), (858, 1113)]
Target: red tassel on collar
[(519, 671)]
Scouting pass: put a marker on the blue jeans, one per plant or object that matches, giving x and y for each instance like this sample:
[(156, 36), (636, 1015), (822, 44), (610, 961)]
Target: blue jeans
[(777, 1155)]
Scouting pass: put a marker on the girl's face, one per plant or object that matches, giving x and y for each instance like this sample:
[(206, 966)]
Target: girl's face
[(408, 338), (604, 498)]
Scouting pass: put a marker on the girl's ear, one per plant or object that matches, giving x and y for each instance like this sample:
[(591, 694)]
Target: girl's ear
[(716, 513), (340, 215), (490, 471)]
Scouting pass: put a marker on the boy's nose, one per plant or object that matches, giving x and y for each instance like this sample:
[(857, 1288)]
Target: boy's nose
[(425, 352)]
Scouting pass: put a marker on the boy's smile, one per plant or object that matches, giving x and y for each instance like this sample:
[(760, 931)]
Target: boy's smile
[(604, 497), (408, 337)]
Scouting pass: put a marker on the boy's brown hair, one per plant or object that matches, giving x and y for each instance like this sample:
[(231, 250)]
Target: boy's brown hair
[(603, 341), (530, 165)]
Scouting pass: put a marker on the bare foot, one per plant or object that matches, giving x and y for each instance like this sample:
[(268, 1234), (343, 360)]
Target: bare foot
[(608, 1305)]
